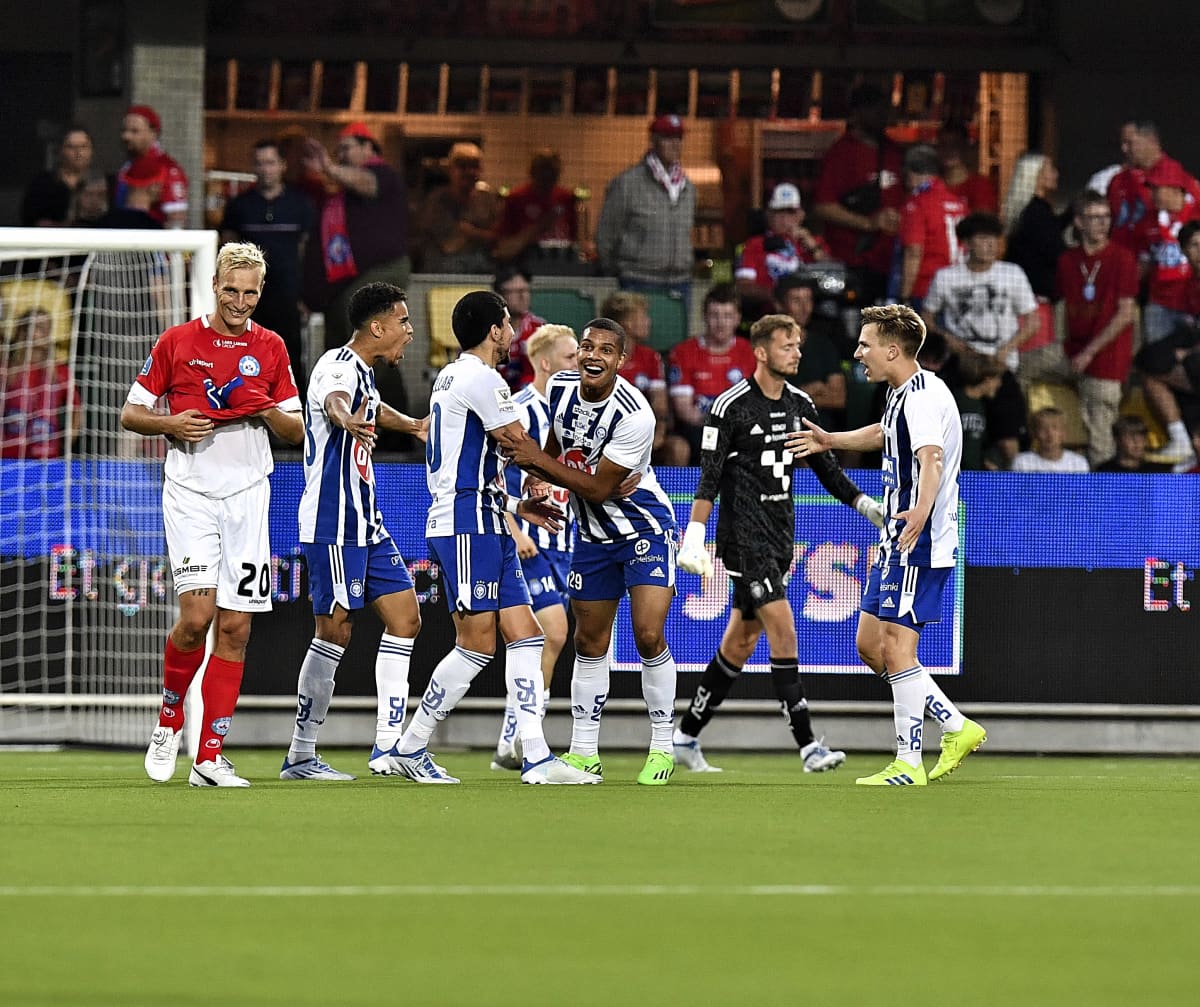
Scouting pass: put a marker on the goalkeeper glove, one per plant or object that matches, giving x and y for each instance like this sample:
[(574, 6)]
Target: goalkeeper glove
[(869, 509), (693, 557)]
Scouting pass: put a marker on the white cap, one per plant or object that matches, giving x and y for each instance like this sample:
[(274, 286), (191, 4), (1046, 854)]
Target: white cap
[(785, 197)]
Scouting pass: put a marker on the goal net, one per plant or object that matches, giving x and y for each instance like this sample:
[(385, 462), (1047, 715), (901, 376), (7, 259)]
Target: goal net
[(85, 593)]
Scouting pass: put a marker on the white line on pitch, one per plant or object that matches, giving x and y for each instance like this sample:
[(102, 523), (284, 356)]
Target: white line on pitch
[(735, 891)]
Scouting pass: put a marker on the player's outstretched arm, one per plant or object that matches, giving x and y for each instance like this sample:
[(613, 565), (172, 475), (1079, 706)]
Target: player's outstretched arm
[(392, 419), (813, 440)]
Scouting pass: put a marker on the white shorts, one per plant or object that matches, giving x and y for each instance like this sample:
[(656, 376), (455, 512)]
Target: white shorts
[(221, 543)]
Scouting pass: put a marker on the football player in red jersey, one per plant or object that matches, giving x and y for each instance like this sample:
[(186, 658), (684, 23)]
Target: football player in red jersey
[(225, 381)]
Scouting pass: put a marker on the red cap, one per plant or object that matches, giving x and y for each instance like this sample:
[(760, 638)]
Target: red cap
[(144, 171), (667, 125), (147, 113), (1168, 171), (358, 130)]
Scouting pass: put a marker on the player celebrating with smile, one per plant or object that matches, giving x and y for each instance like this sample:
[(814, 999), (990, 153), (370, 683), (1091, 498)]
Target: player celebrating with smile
[(921, 439), (743, 460), (226, 381), (604, 429)]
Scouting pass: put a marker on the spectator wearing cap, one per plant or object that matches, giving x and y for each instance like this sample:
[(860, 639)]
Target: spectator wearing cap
[(361, 235), (927, 222), (539, 222), (782, 249), (1128, 196), (143, 186), (140, 130), (51, 199), (457, 224), (644, 235), (1161, 260)]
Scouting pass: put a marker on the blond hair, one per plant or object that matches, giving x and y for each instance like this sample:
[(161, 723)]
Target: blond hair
[(897, 323), (544, 337), (240, 255), (623, 304)]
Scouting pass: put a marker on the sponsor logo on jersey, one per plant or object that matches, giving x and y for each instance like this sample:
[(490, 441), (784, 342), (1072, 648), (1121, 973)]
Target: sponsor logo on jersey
[(642, 547), (221, 725), (199, 362), (189, 567), (147, 365), (504, 402), (229, 344), (756, 429), (249, 366), (889, 603), (658, 572), (171, 698), (889, 587)]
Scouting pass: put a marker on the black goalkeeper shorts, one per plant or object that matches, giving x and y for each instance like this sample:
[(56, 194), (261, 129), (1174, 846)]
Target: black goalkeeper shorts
[(758, 578)]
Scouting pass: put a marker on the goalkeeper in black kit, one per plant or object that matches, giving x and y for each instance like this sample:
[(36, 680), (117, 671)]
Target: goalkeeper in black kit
[(743, 460)]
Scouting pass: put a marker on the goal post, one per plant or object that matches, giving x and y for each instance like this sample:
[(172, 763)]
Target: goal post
[(85, 593)]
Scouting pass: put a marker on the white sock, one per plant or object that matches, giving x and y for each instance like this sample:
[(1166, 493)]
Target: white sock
[(313, 693), (940, 707), (523, 676), (658, 689), (908, 697), (391, 689), (679, 738), (448, 684), (545, 701), (589, 693), (508, 729)]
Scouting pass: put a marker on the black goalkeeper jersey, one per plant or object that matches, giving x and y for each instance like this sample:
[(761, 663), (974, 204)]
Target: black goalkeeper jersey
[(742, 459)]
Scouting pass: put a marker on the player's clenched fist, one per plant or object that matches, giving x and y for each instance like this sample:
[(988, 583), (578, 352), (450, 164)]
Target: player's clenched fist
[(192, 425), (693, 556)]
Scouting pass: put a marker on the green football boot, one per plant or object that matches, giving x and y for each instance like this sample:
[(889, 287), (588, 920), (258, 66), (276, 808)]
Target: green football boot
[(956, 746), (896, 774), (658, 769), (587, 763)]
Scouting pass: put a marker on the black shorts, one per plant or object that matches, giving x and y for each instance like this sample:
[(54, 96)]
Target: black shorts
[(758, 578)]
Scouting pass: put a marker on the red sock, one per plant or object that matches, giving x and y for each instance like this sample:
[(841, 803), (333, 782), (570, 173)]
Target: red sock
[(179, 668), (220, 687)]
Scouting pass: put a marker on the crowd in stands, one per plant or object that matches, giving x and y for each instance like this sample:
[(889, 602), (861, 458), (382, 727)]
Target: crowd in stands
[(1066, 323)]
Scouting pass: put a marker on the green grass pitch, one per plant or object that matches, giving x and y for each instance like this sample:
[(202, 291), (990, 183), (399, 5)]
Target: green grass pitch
[(1015, 881)]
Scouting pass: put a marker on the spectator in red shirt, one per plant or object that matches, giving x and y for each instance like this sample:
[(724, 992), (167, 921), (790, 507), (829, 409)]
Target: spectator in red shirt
[(1097, 281), (860, 191), (974, 189), (702, 367), (1128, 197), (139, 133), (41, 407), (644, 368), (927, 223), (1159, 254), (539, 217), (1170, 367), (785, 246), (516, 287)]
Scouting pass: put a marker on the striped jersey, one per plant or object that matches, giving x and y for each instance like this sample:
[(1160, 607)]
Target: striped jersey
[(463, 465), (621, 429), (339, 505), (534, 413), (920, 412)]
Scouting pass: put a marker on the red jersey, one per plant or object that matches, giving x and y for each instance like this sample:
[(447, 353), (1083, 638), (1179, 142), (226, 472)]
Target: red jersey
[(978, 192), (696, 370), (851, 164), (928, 219), (227, 378), (518, 372), (1091, 287), (644, 368), (767, 258), (525, 205), (1132, 202), (171, 180), (37, 403), (1157, 242)]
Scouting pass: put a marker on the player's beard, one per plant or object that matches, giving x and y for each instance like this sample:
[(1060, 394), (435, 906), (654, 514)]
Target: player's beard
[(783, 375)]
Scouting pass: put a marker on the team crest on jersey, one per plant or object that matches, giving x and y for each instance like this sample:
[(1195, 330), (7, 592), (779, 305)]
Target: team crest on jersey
[(147, 365), (733, 375), (249, 366), (356, 588), (480, 589)]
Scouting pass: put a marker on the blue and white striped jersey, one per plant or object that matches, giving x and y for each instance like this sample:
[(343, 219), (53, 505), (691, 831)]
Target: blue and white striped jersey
[(620, 428), (463, 466), (534, 413), (339, 505), (920, 412)]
